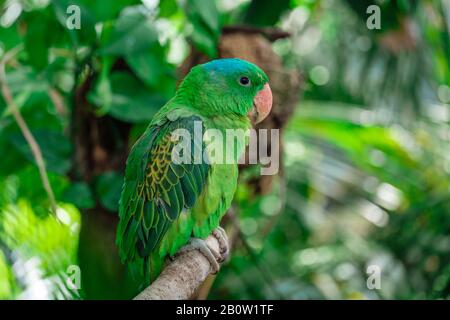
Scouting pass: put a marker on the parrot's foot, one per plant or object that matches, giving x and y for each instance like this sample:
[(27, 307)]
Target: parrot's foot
[(212, 255), (222, 238)]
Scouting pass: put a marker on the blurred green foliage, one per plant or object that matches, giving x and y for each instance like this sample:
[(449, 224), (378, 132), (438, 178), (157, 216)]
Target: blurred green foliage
[(366, 178)]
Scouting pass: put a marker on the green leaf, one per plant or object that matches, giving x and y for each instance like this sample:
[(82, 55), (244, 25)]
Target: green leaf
[(205, 20), (55, 147), (167, 8), (86, 34), (27, 88), (42, 31), (267, 12), (151, 67), (102, 94), (29, 186), (13, 160), (9, 37), (204, 40), (25, 79), (147, 66), (80, 195), (207, 12), (133, 32), (7, 284), (108, 187), (106, 10), (131, 101), (51, 240)]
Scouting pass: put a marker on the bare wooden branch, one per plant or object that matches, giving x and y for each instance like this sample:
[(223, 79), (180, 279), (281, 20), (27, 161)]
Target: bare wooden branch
[(58, 102), (181, 277), (34, 146), (272, 34)]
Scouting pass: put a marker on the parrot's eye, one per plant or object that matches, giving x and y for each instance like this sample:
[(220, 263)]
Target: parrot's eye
[(245, 81)]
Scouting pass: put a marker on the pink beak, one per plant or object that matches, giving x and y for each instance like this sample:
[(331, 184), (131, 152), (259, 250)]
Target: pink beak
[(262, 104)]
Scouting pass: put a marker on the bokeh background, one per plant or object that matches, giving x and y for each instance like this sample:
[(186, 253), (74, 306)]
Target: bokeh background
[(365, 118)]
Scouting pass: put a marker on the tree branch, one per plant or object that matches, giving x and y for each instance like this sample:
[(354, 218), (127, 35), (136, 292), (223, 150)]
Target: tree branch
[(181, 277), (34, 146)]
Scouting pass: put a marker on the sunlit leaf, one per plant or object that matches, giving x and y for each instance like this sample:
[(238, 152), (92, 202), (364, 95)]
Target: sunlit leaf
[(133, 32)]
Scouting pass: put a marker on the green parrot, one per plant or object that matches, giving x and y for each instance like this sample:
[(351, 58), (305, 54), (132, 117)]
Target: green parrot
[(165, 204)]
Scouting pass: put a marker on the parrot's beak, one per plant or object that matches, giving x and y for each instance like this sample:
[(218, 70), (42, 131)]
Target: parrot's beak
[(262, 104)]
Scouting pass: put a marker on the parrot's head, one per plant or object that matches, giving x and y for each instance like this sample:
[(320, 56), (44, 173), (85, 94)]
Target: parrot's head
[(229, 86)]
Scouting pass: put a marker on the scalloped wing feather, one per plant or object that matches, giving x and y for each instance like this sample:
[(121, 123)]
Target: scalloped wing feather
[(156, 190)]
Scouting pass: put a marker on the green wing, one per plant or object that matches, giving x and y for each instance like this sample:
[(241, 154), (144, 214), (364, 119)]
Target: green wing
[(156, 189)]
